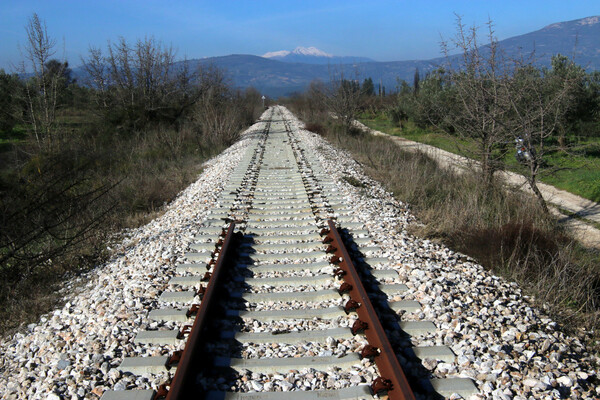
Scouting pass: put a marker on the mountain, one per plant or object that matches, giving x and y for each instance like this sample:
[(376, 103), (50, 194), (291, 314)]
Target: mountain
[(579, 39), (312, 55), (274, 74), (280, 73)]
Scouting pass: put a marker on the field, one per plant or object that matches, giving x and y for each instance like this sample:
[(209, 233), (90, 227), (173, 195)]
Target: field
[(576, 170)]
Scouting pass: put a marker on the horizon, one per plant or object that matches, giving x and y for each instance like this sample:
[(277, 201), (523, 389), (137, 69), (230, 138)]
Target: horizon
[(205, 29)]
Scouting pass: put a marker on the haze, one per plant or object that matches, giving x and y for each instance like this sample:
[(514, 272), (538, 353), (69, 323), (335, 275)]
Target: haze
[(381, 30)]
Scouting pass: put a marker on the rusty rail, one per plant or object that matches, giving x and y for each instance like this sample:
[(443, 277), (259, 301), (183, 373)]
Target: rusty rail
[(392, 379), (183, 384)]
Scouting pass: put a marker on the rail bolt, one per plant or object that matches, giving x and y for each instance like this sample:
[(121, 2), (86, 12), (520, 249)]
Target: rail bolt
[(351, 305), (345, 288), (184, 331), (162, 392), (369, 352), (327, 239), (359, 326), (331, 249), (381, 384), (324, 232), (335, 260), (174, 359), (206, 277), (193, 309)]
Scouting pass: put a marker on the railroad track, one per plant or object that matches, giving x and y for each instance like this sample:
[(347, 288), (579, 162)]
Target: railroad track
[(282, 293)]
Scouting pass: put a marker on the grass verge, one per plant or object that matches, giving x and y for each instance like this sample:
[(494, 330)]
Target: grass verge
[(61, 208), (507, 233), (576, 171)]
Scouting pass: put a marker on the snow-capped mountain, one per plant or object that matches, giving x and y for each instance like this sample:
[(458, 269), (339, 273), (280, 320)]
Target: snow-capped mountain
[(312, 55)]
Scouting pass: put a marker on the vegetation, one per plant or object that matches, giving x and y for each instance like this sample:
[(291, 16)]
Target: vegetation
[(507, 232), (482, 108), (486, 105), (79, 161), (576, 170)]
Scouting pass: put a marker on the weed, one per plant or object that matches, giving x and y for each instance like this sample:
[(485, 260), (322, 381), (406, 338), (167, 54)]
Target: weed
[(353, 181), (507, 233)]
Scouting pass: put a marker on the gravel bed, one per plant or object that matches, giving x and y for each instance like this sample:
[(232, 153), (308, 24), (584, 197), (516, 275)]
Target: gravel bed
[(510, 348), (298, 325), (330, 284), (294, 305), (73, 352), (292, 261), (290, 273), (304, 379), (332, 347), (248, 350)]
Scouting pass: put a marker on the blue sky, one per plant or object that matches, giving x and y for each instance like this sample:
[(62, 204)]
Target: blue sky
[(382, 30)]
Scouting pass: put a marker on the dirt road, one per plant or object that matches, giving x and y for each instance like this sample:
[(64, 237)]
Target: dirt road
[(585, 209)]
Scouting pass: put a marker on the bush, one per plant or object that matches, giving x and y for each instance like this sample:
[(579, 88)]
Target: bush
[(507, 232)]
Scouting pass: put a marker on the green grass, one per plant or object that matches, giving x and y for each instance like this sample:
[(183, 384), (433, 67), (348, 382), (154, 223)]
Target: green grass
[(577, 171)]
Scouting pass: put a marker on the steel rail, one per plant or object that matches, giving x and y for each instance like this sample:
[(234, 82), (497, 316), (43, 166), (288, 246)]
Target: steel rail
[(392, 377), (183, 384)]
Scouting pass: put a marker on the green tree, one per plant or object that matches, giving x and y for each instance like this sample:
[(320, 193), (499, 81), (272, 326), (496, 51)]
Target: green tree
[(60, 73), (538, 104), (416, 80), (368, 88), (575, 103), (342, 97), (11, 104)]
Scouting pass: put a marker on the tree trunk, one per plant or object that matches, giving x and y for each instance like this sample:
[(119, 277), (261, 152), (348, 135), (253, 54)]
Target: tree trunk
[(538, 194)]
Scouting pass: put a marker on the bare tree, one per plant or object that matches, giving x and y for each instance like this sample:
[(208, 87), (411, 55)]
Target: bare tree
[(342, 97), (98, 79), (478, 93), (138, 84), (43, 87), (496, 101), (216, 113), (537, 105)]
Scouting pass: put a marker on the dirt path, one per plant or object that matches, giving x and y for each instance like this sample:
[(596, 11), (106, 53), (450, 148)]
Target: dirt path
[(560, 199)]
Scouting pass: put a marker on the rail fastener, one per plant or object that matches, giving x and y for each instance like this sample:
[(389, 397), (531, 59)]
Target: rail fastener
[(392, 379)]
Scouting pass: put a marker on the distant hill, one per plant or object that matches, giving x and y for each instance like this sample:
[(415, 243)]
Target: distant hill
[(312, 55), (280, 74), (579, 38), (278, 78)]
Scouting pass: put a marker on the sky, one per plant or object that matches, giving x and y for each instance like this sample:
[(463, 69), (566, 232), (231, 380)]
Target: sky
[(382, 30)]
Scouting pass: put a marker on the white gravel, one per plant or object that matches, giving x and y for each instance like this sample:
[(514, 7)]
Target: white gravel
[(73, 352), (510, 348), (505, 344)]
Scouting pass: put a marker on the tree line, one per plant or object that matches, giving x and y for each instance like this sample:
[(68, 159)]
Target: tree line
[(500, 103), (496, 102), (80, 160)]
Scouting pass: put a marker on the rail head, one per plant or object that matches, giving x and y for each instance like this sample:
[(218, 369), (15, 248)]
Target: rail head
[(392, 379), (182, 385)]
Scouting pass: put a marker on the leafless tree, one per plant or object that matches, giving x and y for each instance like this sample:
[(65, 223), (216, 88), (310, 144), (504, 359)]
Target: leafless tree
[(342, 97), (138, 83), (479, 97), (536, 107), (43, 87), (98, 79), (216, 113), (497, 101)]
